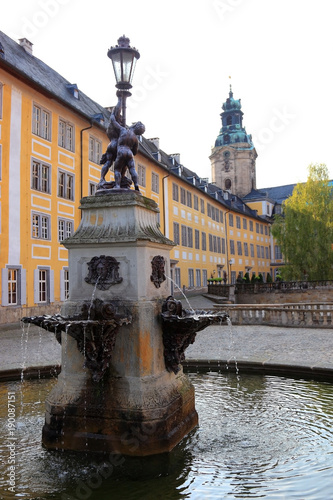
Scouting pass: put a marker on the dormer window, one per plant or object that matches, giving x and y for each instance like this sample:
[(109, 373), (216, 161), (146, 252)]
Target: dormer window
[(73, 89), (229, 120)]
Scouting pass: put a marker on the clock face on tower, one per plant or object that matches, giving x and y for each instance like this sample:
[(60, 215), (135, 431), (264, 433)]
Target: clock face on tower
[(226, 154)]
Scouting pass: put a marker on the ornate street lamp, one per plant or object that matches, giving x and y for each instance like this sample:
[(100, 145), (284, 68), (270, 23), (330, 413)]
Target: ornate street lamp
[(123, 58)]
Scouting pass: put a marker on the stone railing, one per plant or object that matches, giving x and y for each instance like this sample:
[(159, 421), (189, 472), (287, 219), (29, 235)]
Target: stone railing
[(281, 286), (222, 290), (309, 315)]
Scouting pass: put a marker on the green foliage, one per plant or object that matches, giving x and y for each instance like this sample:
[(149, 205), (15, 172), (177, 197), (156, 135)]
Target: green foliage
[(246, 278), (269, 278), (253, 278), (305, 230)]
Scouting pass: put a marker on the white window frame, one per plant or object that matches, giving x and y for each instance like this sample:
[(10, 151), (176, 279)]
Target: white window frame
[(155, 182), (38, 181), (142, 175), (20, 285), (65, 228), (41, 122), (95, 149), (64, 189), (40, 226), (66, 135)]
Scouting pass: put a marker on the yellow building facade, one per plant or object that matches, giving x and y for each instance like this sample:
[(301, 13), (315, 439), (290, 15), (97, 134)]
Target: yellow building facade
[(51, 140)]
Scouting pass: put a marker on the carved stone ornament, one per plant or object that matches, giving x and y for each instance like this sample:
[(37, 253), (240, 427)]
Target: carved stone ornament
[(158, 270), (103, 272), (180, 327), (94, 330)]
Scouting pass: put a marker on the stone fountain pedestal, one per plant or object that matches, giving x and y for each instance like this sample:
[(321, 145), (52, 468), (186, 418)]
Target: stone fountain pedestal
[(131, 404)]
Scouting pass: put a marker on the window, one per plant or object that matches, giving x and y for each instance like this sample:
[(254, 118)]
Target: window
[(13, 287), (251, 225), (64, 284), (65, 185), (175, 192), (190, 237), (210, 242), (257, 227), (197, 239), (92, 188), (246, 249), (266, 230), (189, 199), (209, 210), (182, 196), (191, 278), (41, 122), (176, 233), (214, 244), (252, 249), (43, 285), (239, 248), (238, 222), (218, 245), (266, 252), (65, 229), (231, 220), (204, 277), (203, 242), (258, 251), (278, 253), (195, 202), (261, 229), (95, 149), (41, 226), (232, 247), (184, 236), (177, 277), (244, 223), (142, 175), (197, 277), (40, 176), (202, 206), (262, 252), (155, 186), (223, 245), (66, 135)]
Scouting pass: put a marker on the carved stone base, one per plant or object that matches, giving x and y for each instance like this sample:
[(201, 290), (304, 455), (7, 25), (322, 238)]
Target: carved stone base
[(138, 421)]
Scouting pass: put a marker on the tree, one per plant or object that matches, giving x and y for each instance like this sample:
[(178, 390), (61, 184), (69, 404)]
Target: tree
[(305, 230)]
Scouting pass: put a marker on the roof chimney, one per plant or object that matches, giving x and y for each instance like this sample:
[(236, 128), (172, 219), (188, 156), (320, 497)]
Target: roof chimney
[(155, 141), (24, 42)]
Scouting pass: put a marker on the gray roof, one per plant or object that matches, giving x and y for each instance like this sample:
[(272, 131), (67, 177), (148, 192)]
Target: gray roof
[(275, 194), (15, 58)]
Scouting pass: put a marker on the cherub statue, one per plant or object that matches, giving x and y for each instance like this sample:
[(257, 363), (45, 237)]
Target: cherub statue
[(122, 148)]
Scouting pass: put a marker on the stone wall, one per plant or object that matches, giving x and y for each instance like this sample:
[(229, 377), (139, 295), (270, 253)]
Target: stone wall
[(289, 315)]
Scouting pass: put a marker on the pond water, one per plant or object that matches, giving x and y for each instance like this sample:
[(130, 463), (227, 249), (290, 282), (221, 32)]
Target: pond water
[(259, 436)]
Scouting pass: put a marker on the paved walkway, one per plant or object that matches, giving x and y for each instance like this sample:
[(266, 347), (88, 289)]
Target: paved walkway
[(259, 348)]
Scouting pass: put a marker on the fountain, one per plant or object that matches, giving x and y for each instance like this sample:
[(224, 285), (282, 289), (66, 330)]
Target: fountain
[(121, 377)]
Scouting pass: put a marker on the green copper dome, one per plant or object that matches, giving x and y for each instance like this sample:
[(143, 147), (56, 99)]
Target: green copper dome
[(232, 131)]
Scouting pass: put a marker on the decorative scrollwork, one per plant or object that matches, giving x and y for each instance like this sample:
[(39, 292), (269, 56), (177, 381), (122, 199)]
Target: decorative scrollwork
[(158, 270), (103, 272)]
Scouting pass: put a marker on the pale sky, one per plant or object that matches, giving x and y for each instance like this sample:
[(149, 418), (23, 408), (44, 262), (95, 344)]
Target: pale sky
[(277, 52)]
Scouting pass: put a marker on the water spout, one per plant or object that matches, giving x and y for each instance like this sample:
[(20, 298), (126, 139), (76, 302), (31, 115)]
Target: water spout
[(180, 327)]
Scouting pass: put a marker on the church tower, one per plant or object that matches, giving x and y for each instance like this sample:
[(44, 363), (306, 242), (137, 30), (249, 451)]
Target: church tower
[(233, 158)]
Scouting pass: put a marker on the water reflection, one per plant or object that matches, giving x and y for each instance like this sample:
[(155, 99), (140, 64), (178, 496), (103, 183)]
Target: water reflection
[(258, 437)]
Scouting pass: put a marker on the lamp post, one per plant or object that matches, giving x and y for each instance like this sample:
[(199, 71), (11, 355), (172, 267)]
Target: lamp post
[(123, 58), (230, 263)]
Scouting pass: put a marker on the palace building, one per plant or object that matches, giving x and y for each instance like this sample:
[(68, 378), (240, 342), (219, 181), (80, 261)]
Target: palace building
[(52, 136)]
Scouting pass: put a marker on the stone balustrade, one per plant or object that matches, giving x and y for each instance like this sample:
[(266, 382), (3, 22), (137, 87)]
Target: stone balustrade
[(310, 315)]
